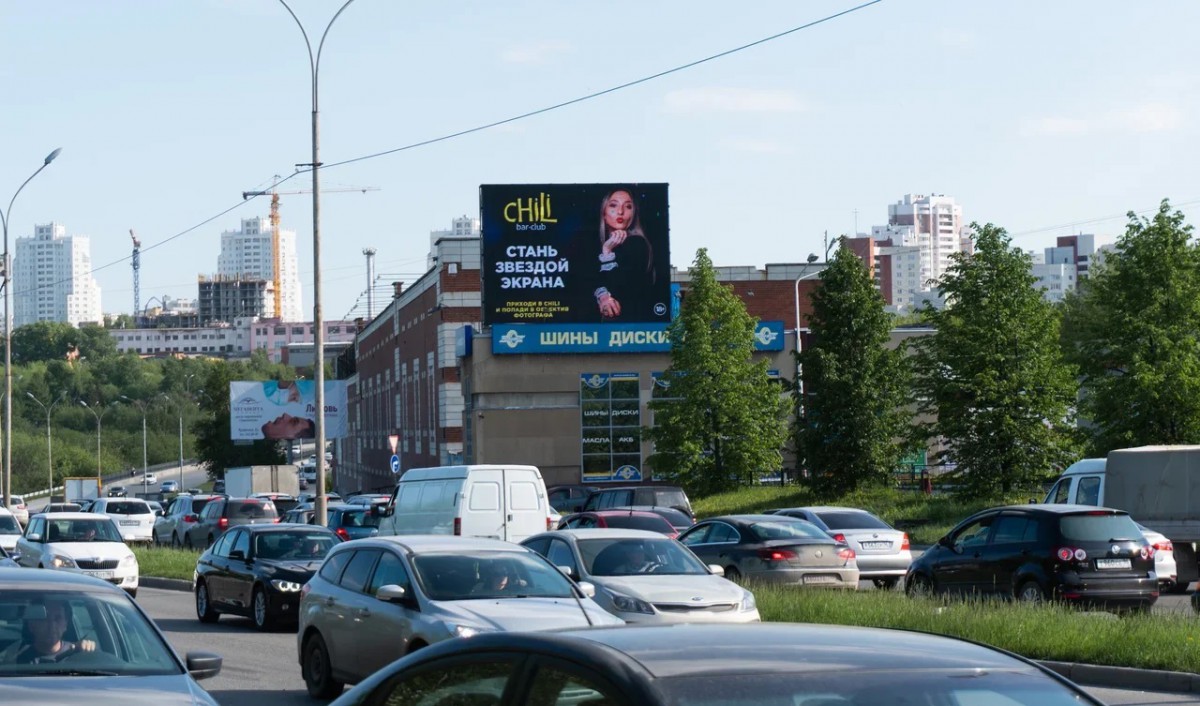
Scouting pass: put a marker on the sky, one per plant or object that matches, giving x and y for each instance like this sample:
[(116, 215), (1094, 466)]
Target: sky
[(1045, 118)]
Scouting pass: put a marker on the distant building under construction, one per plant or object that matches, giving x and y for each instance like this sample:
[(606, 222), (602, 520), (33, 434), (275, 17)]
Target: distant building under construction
[(225, 299)]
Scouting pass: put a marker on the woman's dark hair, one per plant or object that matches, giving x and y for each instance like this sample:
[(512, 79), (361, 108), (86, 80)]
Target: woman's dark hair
[(634, 229)]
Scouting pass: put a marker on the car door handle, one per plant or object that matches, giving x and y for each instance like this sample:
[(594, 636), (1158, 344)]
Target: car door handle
[(364, 613), (329, 602)]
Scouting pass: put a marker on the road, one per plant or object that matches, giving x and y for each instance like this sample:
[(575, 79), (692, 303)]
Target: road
[(193, 476), (261, 667)]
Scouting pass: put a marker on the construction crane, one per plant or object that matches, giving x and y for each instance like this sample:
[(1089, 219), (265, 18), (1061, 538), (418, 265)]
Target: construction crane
[(276, 260), (137, 277)]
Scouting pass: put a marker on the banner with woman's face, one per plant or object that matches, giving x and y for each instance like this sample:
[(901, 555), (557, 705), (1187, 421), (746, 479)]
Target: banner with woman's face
[(274, 409)]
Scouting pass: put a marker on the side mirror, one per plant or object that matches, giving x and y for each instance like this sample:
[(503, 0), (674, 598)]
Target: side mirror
[(716, 569), (203, 665), (1033, 501), (381, 510), (33, 537), (567, 571), (393, 593), (587, 588), (237, 554)]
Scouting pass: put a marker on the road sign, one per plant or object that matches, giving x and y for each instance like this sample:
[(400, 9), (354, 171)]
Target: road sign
[(394, 440), (395, 462)]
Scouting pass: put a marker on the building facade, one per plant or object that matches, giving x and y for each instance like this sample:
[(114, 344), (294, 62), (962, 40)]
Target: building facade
[(932, 223), (220, 341), (52, 278), (246, 254), (221, 299), (274, 336)]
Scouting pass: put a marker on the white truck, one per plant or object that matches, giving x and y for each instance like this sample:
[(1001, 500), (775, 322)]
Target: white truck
[(75, 489), (1159, 486), (245, 481)]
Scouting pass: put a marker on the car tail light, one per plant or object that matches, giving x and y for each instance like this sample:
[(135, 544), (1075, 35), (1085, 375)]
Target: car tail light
[(840, 537), (341, 532), (1146, 552), (1164, 546), (549, 523), (846, 553), (458, 527), (1068, 554), (188, 519), (223, 523), (776, 554), (904, 545)]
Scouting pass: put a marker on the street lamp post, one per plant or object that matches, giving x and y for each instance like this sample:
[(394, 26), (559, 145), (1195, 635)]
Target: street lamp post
[(5, 217), (99, 418), (314, 64), (48, 409), (145, 461)]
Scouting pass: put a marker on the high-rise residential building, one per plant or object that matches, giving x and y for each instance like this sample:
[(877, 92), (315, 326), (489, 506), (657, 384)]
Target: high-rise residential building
[(931, 223), (1077, 250), (52, 278), (1055, 277), (246, 255), (461, 227)]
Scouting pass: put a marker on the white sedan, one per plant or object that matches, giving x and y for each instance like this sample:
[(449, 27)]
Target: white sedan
[(149, 479), (81, 543), (1164, 559), (645, 577)]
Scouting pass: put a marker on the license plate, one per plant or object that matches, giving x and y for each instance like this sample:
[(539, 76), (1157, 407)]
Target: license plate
[(1113, 564), (101, 574), (820, 579), (876, 545), (129, 523)]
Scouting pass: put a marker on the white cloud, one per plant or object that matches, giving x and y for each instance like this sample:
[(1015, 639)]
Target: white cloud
[(1055, 126), (733, 100), (1151, 117), (534, 52), (754, 145)]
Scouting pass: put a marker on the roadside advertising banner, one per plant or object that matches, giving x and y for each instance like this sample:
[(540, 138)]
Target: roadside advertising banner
[(575, 254), (284, 410)]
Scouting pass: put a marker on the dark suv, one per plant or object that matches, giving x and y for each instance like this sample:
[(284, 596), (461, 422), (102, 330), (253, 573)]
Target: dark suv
[(221, 513), (569, 498), (1071, 553), (658, 495)]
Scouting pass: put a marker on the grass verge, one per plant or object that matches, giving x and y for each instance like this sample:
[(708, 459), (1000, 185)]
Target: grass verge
[(165, 562), (1043, 632)]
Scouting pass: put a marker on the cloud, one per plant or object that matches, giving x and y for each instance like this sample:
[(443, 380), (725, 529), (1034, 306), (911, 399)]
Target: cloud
[(1151, 117), (956, 38), (754, 145), (1055, 126), (534, 52), (1148, 117), (716, 99)]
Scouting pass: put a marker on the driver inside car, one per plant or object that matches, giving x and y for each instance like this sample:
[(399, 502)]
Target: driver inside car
[(42, 638), (637, 561)]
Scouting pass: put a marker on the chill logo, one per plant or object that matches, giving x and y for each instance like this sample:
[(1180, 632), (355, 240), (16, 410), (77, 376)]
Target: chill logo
[(765, 336), (532, 213), (511, 338)]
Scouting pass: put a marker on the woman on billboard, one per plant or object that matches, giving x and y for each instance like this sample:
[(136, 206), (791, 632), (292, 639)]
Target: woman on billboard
[(626, 278)]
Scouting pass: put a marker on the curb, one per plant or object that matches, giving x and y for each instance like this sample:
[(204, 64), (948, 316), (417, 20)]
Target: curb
[(1083, 674)]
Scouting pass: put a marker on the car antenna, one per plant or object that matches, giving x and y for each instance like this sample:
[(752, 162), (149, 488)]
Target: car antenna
[(575, 591)]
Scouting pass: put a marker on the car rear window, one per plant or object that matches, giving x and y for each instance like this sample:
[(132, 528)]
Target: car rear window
[(653, 524), (1098, 527), (127, 507), (847, 519), (671, 498), (251, 508), (198, 504), (359, 518), (783, 529)]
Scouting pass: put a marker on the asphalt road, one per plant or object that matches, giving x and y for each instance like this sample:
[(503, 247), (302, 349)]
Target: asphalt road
[(261, 667)]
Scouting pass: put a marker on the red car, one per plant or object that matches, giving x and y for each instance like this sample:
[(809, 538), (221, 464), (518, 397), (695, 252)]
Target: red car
[(623, 519)]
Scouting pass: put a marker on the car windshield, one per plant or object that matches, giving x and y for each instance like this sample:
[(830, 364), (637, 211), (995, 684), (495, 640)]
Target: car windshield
[(787, 529), (125, 642), (300, 545), (1100, 527), (127, 507), (670, 498), (8, 525), (626, 557), (851, 519), (945, 686), (478, 575), (98, 530)]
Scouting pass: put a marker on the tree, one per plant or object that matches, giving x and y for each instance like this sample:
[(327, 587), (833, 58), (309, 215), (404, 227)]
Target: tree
[(213, 447), (42, 341), (1134, 331), (851, 425), (724, 423), (993, 372)]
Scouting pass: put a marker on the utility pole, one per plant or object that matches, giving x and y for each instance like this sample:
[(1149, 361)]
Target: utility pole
[(370, 253)]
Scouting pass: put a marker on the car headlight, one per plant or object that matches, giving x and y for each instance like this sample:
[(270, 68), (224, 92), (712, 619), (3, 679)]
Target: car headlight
[(748, 602), (59, 561), (286, 586), (628, 604), (457, 630), (128, 561)]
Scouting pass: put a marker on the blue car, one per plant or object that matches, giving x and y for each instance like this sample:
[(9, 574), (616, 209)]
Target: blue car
[(352, 521)]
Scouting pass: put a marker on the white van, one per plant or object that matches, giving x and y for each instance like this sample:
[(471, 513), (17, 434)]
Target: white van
[(1081, 484), (498, 502)]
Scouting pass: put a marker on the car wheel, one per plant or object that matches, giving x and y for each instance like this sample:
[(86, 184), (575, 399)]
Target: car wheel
[(886, 584), (204, 609), (261, 611), (732, 573), (175, 543), (918, 586), (317, 672), (1176, 588), (1030, 592), (187, 541), (212, 539)]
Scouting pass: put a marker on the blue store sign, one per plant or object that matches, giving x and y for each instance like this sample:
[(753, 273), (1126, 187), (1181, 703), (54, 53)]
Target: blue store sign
[(510, 339)]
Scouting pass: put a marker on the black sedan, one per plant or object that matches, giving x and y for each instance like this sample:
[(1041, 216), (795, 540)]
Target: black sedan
[(756, 665), (773, 549), (257, 571)]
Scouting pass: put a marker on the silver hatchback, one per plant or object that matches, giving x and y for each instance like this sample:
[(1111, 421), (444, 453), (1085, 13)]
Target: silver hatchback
[(883, 551), (376, 600)]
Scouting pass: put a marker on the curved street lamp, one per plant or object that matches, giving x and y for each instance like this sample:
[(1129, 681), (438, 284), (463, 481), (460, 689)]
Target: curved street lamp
[(99, 418), (314, 64), (145, 467), (5, 217), (48, 409)]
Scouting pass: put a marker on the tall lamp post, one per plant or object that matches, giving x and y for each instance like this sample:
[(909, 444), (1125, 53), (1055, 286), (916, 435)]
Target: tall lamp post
[(145, 465), (7, 266), (314, 65), (48, 409), (99, 418)]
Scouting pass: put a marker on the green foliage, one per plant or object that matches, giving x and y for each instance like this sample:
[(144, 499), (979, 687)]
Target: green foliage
[(53, 340), (993, 372), (851, 420), (1134, 331), (725, 424)]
